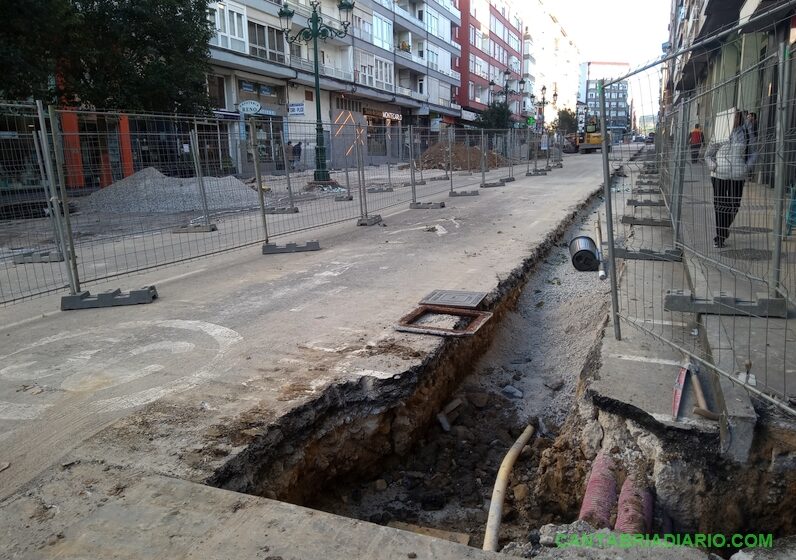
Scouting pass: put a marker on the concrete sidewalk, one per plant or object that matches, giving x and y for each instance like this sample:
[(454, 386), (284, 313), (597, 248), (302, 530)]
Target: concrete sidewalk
[(111, 417)]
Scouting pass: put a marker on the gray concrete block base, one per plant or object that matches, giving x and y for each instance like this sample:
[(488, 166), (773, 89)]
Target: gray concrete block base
[(32, 257), (508, 179), (273, 249), (282, 210), (109, 298), (463, 193), (379, 189), (343, 198), (369, 220), (639, 221), (195, 228), (492, 185), (426, 205), (535, 173)]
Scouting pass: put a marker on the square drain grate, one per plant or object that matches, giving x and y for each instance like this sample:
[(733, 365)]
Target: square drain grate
[(454, 298)]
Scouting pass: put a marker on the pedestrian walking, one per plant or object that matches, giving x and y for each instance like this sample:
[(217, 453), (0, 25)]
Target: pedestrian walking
[(696, 139), (729, 161), (296, 155)]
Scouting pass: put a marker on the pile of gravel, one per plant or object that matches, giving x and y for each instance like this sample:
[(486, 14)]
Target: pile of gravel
[(150, 191)]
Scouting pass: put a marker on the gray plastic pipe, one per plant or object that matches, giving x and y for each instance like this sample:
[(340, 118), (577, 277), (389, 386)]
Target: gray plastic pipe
[(499, 492)]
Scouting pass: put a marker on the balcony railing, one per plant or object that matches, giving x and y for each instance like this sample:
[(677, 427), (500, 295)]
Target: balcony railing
[(455, 74), (328, 71), (303, 10), (403, 91), (419, 96), (456, 106), (443, 102), (456, 45), (403, 12), (362, 34)]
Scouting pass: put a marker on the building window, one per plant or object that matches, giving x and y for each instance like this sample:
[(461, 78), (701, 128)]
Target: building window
[(433, 59), (432, 21), (295, 50), (471, 91), (365, 68), (514, 42), (472, 36), (384, 74), (382, 32), (309, 95), (228, 21), (472, 63), (217, 92), (266, 42)]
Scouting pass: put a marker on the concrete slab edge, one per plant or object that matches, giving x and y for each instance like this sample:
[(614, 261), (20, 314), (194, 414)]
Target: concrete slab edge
[(735, 405)]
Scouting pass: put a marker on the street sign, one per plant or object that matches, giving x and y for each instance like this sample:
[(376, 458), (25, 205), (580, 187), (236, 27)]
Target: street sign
[(531, 121)]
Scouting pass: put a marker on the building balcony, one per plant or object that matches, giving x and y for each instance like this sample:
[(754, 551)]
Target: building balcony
[(419, 96), (361, 34), (404, 13), (456, 45), (453, 14), (403, 91), (327, 71)]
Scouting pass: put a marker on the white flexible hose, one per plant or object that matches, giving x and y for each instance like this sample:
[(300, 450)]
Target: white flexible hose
[(499, 492)]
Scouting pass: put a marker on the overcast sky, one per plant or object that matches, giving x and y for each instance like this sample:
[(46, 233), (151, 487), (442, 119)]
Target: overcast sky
[(615, 30)]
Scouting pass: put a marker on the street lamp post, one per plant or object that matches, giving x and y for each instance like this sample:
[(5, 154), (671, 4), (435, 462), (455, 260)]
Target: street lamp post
[(314, 30)]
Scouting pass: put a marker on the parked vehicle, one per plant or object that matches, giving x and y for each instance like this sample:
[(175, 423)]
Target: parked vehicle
[(650, 138)]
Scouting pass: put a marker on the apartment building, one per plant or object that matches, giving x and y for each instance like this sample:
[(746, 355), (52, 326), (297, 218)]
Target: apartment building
[(550, 60), (394, 67), (492, 45), (619, 117)]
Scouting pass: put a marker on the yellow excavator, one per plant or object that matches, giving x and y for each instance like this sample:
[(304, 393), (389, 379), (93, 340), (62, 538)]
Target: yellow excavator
[(592, 139)]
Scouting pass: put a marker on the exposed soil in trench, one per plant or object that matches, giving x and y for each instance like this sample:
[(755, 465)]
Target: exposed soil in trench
[(529, 374)]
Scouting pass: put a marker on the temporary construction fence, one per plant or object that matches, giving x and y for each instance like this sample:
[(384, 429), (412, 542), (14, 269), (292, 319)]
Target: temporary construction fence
[(147, 190), (702, 235)]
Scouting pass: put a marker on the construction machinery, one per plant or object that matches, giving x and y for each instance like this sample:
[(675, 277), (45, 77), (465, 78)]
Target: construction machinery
[(592, 139)]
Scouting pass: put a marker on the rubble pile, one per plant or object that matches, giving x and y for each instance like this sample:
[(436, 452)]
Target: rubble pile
[(150, 191), (436, 157)]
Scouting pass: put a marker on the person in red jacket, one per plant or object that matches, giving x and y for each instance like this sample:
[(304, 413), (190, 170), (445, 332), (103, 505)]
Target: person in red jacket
[(695, 140)]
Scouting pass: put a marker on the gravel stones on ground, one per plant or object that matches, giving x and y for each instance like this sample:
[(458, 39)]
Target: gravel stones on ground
[(150, 191)]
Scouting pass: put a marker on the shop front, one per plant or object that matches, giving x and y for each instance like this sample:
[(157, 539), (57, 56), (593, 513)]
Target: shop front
[(381, 137)]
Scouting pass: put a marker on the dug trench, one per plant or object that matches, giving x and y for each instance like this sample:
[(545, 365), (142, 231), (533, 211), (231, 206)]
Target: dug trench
[(377, 450)]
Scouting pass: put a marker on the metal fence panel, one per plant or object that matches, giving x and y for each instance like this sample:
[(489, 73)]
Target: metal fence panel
[(725, 205)]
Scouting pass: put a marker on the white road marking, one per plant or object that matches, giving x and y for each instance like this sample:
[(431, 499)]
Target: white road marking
[(94, 368), (646, 359)]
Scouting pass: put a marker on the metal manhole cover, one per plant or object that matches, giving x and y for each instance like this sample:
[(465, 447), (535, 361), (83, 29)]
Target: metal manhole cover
[(454, 298), (748, 254), (750, 229)]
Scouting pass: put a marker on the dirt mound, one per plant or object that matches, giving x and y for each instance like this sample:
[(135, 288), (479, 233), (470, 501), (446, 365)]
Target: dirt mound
[(464, 158)]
